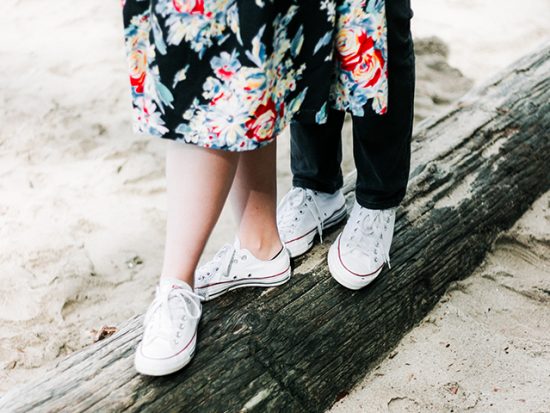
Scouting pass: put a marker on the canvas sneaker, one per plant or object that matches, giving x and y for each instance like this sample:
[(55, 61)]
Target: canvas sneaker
[(359, 253), (235, 267), (303, 215), (170, 329)]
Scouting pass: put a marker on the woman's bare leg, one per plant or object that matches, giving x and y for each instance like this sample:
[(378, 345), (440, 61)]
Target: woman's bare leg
[(254, 198), (198, 182)]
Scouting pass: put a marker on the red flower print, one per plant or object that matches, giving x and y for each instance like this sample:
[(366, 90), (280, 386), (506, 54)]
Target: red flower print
[(138, 65), (189, 6), (262, 124), (357, 55), (369, 72), (225, 72), (352, 44)]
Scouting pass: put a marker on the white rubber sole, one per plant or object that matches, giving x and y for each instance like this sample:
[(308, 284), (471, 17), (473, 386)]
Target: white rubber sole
[(163, 367), (303, 244), (213, 292), (343, 276)]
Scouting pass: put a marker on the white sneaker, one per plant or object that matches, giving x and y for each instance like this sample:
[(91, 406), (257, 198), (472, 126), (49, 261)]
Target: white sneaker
[(233, 267), (170, 329), (361, 250), (303, 214)]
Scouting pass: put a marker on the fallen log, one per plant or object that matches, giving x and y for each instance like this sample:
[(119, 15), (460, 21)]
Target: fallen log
[(296, 348)]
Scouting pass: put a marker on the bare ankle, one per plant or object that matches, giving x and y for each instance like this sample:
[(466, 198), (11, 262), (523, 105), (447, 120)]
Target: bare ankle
[(263, 249), (189, 279)]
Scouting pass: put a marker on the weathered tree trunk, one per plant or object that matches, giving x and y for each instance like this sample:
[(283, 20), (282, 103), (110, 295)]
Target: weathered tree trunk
[(296, 348)]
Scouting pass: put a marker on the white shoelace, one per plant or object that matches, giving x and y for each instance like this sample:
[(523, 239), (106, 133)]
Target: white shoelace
[(298, 199), (370, 224), (162, 312), (221, 261)]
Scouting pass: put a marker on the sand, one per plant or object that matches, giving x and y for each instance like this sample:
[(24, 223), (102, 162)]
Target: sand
[(484, 36), (82, 199)]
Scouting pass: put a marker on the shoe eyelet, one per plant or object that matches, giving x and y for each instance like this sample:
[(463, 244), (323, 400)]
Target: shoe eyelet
[(234, 277), (217, 268), (243, 258), (249, 275)]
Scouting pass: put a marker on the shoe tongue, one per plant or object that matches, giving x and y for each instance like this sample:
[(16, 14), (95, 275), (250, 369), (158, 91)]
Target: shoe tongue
[(167, 283)]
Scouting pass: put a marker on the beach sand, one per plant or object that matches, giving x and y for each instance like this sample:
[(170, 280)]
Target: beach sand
[(82, 199)]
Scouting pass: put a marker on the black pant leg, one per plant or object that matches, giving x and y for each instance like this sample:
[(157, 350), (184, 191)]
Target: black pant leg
[(316, 153), (382, 143)]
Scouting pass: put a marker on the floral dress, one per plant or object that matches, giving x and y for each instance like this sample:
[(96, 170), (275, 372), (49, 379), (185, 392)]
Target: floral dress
[(231, 74)]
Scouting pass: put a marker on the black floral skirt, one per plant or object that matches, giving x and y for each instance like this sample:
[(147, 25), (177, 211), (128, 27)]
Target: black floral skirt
[(231, 74)]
